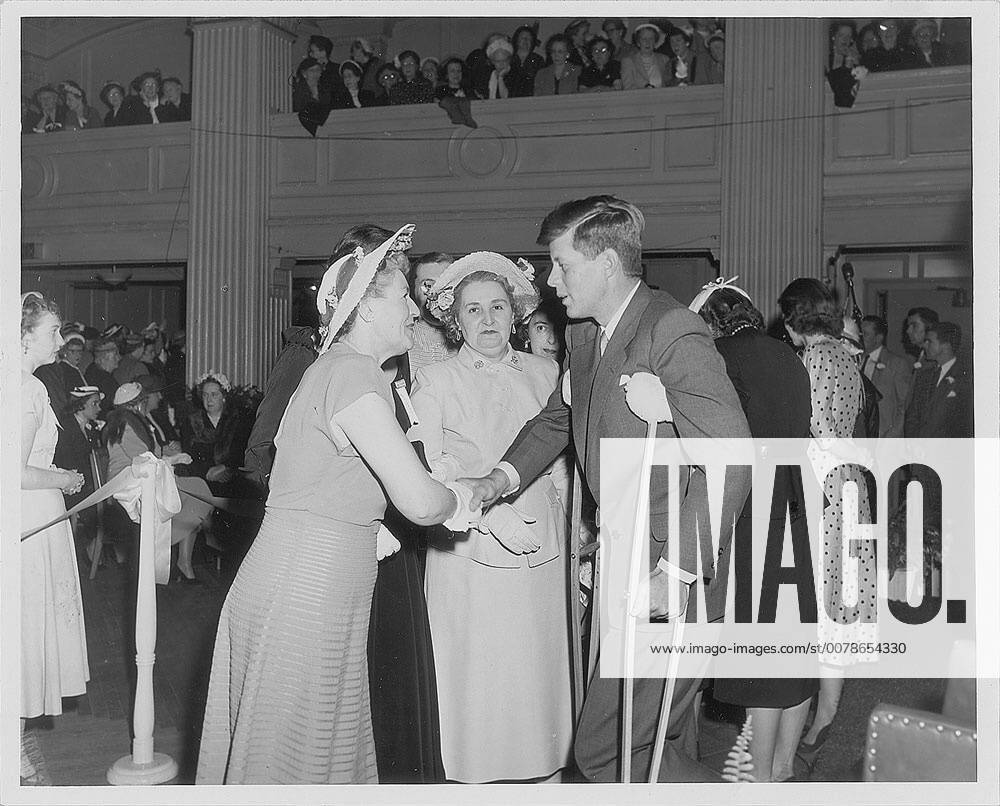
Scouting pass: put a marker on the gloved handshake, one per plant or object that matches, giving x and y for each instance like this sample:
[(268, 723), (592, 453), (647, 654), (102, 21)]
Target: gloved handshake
[(510, 528)]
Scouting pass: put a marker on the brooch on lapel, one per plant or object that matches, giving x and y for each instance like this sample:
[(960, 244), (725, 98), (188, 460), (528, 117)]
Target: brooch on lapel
[(880, 366)]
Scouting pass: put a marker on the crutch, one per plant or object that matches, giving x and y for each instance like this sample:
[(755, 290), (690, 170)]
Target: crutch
[(576, 645), (646, 397)]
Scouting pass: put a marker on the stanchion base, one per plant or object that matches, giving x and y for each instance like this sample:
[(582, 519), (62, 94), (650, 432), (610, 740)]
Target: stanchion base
[(126, 772)]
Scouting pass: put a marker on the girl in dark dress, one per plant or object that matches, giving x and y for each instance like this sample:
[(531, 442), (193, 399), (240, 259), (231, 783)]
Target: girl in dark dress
[(773, 387)]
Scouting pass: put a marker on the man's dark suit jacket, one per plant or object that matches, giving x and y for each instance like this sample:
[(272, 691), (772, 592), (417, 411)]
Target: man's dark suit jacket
[(660, 336), (941, 409)]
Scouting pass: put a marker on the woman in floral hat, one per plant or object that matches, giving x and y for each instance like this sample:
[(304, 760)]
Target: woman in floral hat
[(496, 595)]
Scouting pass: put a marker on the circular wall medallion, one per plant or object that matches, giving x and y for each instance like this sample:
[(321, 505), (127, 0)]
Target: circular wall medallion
[(481, 152), (32, 178)]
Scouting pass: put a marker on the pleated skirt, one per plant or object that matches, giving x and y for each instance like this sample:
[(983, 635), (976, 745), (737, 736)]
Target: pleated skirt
[(288, 697)]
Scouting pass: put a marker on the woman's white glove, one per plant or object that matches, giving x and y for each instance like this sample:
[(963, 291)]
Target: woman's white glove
[(510, 528), (464, 517), (386, 543)]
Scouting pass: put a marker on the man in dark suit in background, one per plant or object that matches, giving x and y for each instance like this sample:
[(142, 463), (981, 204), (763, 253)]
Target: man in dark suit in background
[(889, 372), (624, 327), (942, 401)]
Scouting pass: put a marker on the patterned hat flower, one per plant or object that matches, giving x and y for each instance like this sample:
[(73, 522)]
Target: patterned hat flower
[(440, 301), (527, 269)]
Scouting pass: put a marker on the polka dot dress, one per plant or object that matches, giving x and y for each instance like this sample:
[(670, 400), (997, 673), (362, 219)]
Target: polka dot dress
[(837, 396)]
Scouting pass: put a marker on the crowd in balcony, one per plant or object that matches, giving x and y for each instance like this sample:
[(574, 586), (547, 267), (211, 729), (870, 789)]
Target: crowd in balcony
[(64, 107), (512, 66), (892, 44)]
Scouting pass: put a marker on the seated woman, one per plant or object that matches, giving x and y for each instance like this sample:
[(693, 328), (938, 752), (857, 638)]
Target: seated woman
[(684, 61), (413, 88), (496, 598), (430, 68), (79, 115), (455, 85), (561, 76), (387, 78), (215, 435), (310, 99), (79, 436), (646, 67), (526, 61), (126, 436), (603, 73), (363, 54), (352, 95), (113, 97), (142, 108), (502, 79)]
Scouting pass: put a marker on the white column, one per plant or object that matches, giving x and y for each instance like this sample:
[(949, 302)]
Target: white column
[(240, 77), (772, 154)]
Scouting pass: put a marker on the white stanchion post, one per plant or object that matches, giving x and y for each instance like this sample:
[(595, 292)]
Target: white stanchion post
[(144, 766)]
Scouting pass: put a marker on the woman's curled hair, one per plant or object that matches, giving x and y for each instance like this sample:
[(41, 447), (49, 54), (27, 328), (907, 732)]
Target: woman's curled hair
[(727, 311), (34, 305), (449, 317), (808, 307)]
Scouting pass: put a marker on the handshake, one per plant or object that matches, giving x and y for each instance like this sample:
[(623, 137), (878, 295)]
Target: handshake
[(509, 526)]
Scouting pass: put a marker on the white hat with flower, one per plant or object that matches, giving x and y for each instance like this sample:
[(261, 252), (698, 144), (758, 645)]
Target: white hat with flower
[(520, 275)]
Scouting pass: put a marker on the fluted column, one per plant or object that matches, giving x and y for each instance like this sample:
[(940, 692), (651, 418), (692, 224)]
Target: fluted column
[(772, 154), (236, 302)]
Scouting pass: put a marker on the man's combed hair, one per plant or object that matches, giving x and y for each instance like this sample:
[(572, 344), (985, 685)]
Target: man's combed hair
[(927, 315), (880, 324), (599, 223), (947, 332)]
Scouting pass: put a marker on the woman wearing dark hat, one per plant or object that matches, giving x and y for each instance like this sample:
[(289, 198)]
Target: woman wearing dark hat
[(142, 108), (78, 114), (79, 437), (647, 67), (51, 114), (773, 388), (299, 608), (159, 420), (113, 97), (127, 435), (526, 61)]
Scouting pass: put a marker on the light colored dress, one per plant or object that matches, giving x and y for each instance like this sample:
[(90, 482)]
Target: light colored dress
[(53, 639), (288, 696), (837, 397), (499, 621)]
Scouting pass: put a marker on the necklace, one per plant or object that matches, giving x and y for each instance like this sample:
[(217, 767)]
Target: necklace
[(745, 326)]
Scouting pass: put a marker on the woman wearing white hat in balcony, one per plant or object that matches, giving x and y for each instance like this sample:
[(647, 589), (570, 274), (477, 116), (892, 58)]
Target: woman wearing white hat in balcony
[(496, 597), (647, 67), (288, 699)]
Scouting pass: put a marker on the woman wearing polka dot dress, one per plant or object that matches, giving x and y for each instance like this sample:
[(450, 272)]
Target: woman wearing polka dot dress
[(814, 323)]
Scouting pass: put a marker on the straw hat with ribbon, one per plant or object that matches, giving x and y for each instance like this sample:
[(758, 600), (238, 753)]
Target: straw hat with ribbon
[(343, 305), (710, 288), (520, 275)]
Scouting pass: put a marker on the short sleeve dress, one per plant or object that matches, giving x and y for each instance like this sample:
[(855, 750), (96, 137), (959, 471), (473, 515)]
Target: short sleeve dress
[(837, 397), (288, 698), (53, 639)]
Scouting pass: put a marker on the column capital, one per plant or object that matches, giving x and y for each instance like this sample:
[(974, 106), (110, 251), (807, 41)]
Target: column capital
[(285, 25)]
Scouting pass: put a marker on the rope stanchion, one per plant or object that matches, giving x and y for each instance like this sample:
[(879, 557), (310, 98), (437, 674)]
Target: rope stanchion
[(144, 766)]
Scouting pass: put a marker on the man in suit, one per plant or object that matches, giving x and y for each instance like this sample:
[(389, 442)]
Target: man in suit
[(917, 321), (889, 372), (624, 327), (942, 395)]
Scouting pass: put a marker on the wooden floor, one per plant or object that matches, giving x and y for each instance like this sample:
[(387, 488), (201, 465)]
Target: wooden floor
[(79, 746)]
